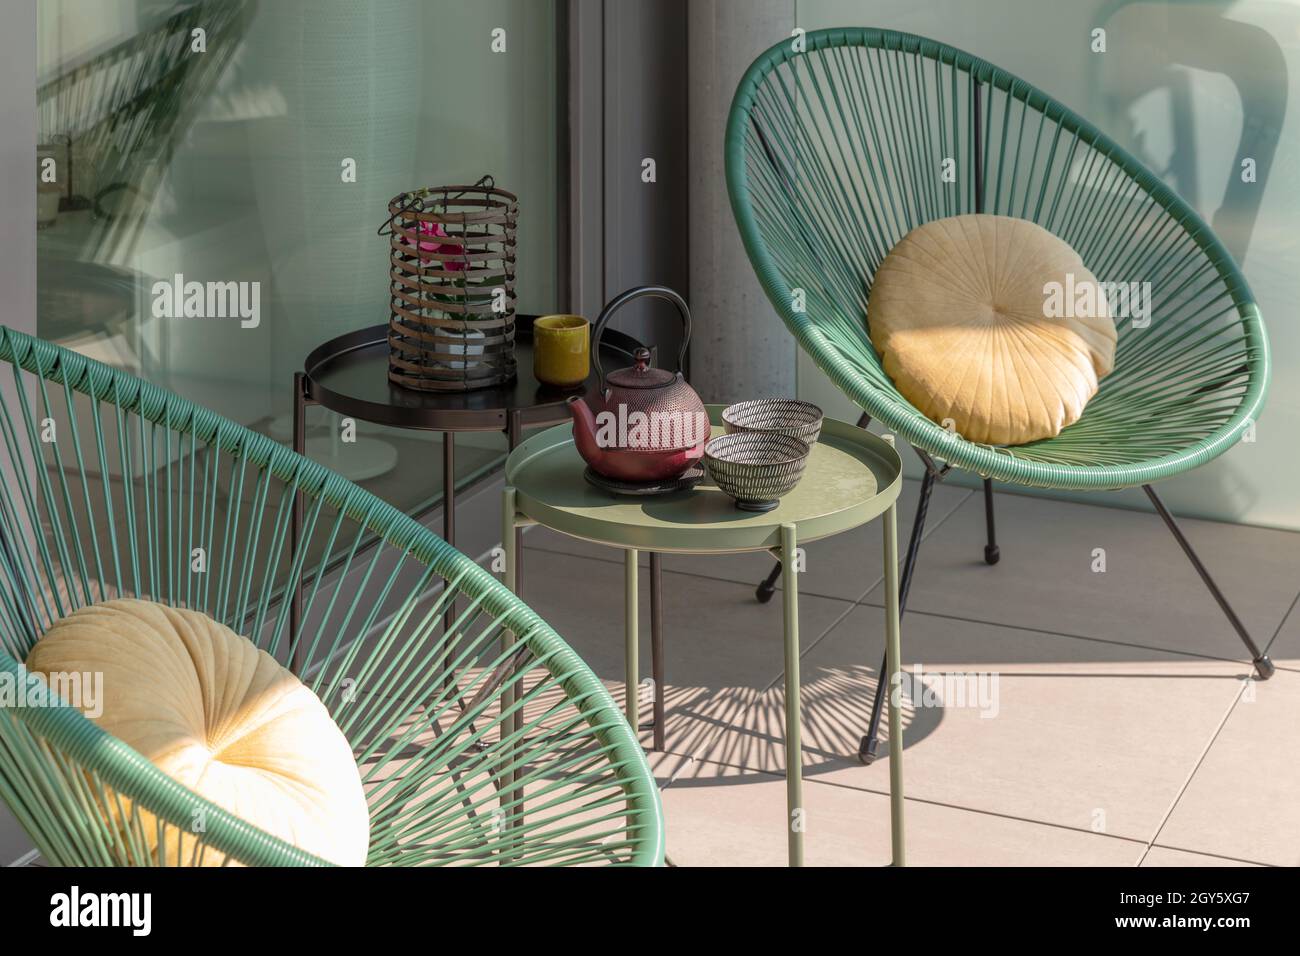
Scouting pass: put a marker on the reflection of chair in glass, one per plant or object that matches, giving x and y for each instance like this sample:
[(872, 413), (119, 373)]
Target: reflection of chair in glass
[(1144, 86), (496, 745), (835, 153), (122, 112)]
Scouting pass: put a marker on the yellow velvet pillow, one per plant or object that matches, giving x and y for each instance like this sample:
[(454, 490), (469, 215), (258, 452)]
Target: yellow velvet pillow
[(959, 312), (221, 717)]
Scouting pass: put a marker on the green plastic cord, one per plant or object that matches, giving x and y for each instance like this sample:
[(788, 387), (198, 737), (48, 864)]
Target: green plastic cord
[(489, 744), (834, 153)]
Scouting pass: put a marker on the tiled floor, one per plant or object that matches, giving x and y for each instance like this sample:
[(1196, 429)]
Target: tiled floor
[(1113, 725)]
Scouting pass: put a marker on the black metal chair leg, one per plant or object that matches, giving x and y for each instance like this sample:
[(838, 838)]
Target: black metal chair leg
[(767, 587), (867, 746), (991, 553), (1263, 666)]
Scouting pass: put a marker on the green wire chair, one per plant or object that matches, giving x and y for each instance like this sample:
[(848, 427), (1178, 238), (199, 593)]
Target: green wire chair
[(488, 742), (837, 150)]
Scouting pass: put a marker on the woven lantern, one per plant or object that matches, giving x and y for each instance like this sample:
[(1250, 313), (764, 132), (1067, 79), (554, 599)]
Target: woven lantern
[(452, 285)]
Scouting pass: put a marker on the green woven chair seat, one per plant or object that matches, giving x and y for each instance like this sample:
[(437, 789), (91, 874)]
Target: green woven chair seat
[(834, 153), (486, 742)]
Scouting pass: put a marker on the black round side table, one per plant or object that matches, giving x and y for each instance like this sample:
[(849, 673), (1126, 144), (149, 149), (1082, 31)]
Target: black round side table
[(349, 376)]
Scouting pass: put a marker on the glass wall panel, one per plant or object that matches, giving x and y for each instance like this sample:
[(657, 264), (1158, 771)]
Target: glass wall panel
[(214, 141)]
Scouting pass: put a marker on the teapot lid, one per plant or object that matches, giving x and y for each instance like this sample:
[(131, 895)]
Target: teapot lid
[(641, 375)]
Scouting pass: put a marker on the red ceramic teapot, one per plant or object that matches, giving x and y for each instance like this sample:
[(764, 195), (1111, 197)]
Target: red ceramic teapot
[(646, 423)]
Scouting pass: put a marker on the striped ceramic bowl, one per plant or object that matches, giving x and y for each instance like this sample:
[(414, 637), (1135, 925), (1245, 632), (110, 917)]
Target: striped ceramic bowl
[(780, 416), (756, 468)]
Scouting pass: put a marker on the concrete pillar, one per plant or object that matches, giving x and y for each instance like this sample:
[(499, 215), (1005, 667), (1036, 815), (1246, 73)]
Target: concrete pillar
[(741, 348)]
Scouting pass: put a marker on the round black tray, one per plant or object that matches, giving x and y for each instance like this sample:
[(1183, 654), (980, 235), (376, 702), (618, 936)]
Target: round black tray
[(349, 376)]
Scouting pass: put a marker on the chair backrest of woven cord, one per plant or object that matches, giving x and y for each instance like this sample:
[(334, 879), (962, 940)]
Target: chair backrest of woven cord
[(868, 134), (457, 699)]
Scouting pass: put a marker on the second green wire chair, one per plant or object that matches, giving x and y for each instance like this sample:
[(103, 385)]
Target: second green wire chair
[(836, 150), (486, 742)]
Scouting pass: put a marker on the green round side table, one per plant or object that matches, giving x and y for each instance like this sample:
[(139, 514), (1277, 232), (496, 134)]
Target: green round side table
[(852, 476)]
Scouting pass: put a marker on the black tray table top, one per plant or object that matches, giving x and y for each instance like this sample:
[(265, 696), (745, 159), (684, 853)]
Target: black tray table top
[(349, 376)]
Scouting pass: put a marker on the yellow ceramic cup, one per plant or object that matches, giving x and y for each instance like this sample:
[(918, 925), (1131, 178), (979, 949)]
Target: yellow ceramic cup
[(561, 349)]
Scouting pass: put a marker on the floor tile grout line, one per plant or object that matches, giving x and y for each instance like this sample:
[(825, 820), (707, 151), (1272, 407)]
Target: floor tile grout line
[(1066, 634), (925, 535), (712, 738), (692, 757), (689, 760), (1282, 624), (774, 775), (1164, 820), (987, 813), (804, 652), (861, 599), (1216, 856), (1267, 647), (722, 729), (849, 608), (1013, 490)]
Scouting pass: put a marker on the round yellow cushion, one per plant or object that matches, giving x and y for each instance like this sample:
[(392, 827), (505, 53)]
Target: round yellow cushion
[(957, 312), (220, 716)]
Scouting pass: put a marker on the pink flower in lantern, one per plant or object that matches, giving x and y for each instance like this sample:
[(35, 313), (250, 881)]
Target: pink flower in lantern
[(435, 230)]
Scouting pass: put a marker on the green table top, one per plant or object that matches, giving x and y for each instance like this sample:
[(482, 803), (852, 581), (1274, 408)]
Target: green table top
[(851, 477)]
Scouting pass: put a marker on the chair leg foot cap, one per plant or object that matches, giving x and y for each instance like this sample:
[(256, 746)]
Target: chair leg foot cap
[(991, 554), (867, 751), (764, 593), (1264, 667)]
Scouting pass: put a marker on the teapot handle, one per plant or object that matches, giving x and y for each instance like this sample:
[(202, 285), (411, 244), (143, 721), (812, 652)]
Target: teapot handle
[(622, 299)]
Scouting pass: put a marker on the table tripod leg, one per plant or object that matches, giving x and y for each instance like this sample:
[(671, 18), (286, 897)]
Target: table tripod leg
[(892, 668), (631, 650), (795, 816), (657, 645), (510, 723), (514, 435)]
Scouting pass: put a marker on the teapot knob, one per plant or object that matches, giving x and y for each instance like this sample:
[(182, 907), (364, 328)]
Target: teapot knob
[(623, 299), (642, 359)]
